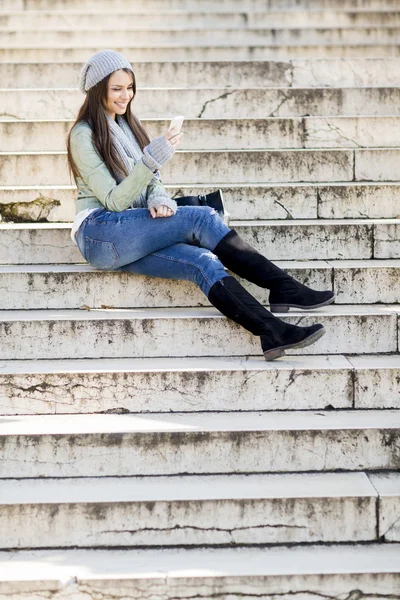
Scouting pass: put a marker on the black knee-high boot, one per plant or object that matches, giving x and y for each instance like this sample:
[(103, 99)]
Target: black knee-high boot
[(235, 302), (285, 292)]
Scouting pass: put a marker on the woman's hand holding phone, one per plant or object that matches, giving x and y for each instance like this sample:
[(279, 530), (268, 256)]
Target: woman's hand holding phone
[(174, 134)]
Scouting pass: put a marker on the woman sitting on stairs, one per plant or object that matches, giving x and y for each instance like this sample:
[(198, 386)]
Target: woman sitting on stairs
[(116, 169)]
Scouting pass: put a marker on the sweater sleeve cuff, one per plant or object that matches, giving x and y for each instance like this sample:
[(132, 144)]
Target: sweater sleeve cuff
[(158, 200), (150, 162)]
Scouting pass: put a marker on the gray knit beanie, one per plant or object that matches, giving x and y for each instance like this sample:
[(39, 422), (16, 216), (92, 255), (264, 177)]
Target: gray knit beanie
[(100, 65)]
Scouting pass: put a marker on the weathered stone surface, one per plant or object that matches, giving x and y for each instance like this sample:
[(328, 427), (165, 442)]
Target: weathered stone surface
[(387, 240), (388, 487), (21, 241), (212, 134), (359, 200), (142, 333), (232, 102), (184, 384), (310, 240), (223, 36), (191, 511), (376, 381), (235, 572), (57, 203), (215, 166), (163, 444), (183, 20), (351, 132), (252, 201), (366, 282), (205, 53), (192, 5), (64, 286), (220, 134), (376, 165), (49, 243), (71, 286)]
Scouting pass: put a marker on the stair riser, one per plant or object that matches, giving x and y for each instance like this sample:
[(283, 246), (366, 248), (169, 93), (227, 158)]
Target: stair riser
[(211, 103), (294, 73), (243, 202), (239, 20), (228, 585), (217, 167), (389, 519), (138, 338), (189, 523), (201, 53), (377, 388), (123, 290), (278, 242), (123, 454), (186, 391), (327, 132), (316, 387), (192, 5), (195, 37), (25, 291)]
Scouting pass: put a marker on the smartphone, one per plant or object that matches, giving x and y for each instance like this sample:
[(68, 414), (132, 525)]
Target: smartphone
[(177, 121)]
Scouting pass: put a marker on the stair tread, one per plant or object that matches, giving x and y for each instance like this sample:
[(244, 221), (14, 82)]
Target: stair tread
[(175, 488), (86, 565), (81, 424), (200, 364), (182, 313), (249, 223), (285, 264)]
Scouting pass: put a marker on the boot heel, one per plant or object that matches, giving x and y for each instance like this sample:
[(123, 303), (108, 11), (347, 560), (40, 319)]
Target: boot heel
[(279, 308), (273, 354)]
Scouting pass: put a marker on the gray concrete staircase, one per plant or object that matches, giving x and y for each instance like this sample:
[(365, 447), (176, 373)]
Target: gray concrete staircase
[(147, 449)]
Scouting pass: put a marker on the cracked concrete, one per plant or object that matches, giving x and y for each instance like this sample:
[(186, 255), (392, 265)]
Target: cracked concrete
[(221, 97)]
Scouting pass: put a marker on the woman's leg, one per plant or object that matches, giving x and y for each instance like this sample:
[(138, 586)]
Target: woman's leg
[(241, 258), (181, 261), (109, 240), (202, 267)]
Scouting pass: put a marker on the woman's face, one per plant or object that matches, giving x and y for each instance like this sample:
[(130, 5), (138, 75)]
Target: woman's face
[(119, 93)]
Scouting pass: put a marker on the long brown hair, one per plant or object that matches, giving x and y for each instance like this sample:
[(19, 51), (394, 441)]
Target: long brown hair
[(93, 113)]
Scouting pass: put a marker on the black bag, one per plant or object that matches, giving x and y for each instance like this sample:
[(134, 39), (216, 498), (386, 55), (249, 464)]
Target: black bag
[(214, 200)]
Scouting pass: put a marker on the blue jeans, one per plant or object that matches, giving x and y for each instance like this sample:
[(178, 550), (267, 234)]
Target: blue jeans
[(177, 247)]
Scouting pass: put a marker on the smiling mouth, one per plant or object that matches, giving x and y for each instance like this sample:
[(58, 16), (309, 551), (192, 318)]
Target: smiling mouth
[(121, 105)]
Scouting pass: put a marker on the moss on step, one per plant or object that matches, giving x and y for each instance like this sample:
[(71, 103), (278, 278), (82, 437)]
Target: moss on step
[(37, 210)]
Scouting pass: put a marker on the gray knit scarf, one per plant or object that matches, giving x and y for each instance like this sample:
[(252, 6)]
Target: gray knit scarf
[(128, 148)]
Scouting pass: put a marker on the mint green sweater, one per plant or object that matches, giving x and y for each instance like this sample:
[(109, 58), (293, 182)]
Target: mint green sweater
[(96, 186)]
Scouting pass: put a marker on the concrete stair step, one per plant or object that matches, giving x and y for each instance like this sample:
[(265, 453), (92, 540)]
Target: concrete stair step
[(247, 201), (141, 333), (388, 487), (164, 20), (185, 444), (295, 73), (27, 287), (198, 384), (207, 510), (194, 6), (340, 239), (270, 571), (32, 104), (194, 36), (215, 166), (205, 53), (232, 134)]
